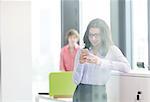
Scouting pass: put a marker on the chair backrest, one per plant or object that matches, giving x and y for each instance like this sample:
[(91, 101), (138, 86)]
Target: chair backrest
[(61, 84)]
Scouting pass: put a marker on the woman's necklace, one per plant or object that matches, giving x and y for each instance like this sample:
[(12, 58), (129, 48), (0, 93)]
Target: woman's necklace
[(96, 51)]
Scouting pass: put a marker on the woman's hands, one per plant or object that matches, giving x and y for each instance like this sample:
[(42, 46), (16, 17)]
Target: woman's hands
[(83, 55), (86, 57)]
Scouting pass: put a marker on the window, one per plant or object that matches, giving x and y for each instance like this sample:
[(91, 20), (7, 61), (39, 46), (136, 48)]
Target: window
[(140, 32), (91, 9), (46, 27)]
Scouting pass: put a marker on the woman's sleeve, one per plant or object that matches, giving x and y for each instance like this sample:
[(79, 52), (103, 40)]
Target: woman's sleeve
[(61, 65), (118, 62), (78, 69)]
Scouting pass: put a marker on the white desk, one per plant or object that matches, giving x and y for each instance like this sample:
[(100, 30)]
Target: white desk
[(123, 87)]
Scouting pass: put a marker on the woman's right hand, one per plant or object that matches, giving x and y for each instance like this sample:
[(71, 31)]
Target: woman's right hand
[(84, 55)]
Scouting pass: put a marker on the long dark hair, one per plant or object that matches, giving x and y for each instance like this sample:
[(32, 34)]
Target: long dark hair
[(106, 40)]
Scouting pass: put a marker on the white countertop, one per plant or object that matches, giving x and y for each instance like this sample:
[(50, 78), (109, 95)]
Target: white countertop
[(133, 73)]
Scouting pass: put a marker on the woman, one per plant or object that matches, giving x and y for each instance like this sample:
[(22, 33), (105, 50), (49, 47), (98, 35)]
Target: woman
[(69, 51), (93, 64)]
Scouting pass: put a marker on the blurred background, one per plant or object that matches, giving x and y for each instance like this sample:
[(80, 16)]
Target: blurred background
[(33, 33)]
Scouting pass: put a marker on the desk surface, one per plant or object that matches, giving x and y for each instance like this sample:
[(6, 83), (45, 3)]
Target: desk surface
[(133, 73)]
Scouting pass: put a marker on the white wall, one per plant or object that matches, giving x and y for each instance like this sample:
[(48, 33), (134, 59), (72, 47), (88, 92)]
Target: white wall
[(16, 51)]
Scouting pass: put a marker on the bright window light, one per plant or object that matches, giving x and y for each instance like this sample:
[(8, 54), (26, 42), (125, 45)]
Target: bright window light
[(91, 9), (140, 31)]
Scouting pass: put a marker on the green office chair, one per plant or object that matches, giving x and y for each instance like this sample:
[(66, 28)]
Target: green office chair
[(61, 84)]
